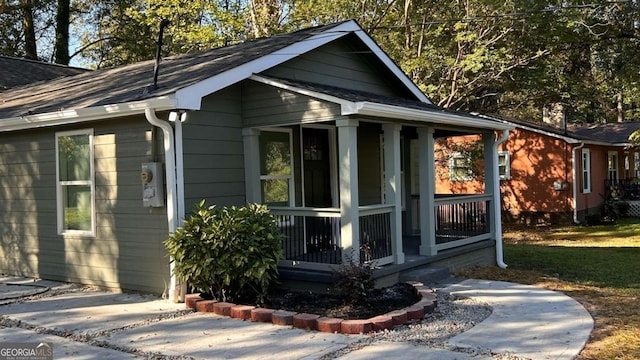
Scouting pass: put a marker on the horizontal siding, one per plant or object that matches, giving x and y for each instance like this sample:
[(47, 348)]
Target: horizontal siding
[(340, 64), (213, 151), (127, 251), (265, 105)]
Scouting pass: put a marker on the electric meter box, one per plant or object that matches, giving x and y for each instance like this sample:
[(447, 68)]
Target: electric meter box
[(152, 185)]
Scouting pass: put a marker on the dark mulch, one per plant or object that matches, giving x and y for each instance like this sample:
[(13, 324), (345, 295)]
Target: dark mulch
[(378, 302)]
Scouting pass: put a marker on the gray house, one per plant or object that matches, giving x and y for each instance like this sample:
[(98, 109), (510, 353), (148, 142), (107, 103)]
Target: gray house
[(97, 169)]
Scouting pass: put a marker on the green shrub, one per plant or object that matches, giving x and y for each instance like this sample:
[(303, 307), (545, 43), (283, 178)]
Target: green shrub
[(229, 253)]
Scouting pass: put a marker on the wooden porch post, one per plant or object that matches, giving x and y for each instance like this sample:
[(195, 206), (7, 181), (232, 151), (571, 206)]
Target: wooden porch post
[(251, 143), (426, 174), (393, 188), (490, 165), (349, 197)]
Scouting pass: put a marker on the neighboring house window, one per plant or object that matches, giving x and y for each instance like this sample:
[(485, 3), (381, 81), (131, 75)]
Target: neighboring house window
[(276, 170), (636, 164), (586, 171), (504, 165), (612, 166), (75, 182), (460, 168)]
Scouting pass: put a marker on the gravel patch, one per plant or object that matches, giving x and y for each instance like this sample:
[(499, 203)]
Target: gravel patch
[(452, 316)]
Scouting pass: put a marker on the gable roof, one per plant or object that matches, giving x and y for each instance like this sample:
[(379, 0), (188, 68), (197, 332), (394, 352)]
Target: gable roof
[(15, 72), (184, 80)]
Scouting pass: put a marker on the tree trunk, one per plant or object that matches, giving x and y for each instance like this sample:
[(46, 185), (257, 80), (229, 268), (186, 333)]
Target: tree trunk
[(62, 32), (619, 108), (30, 48)]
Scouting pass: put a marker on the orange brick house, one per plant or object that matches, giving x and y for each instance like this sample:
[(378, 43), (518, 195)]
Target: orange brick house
[(549, 173)]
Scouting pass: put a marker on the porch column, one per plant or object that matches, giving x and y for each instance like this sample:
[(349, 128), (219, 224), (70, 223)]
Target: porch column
[(393, 188), (426, 174), (490, 180), (251, 143), (349, 198)]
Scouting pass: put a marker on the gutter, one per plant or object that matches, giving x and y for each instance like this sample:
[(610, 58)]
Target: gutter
[(497, 201), (176, 291), (574, 178), (71, 116)]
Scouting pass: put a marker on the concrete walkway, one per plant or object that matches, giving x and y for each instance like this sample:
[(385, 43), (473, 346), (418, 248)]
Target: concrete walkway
[(527, 322)]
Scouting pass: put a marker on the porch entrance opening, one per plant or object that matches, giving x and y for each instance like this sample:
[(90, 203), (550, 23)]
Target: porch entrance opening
[(316, 155)]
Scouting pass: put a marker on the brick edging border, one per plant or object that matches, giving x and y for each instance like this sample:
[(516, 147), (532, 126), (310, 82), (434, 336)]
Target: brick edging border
[(425, 305)]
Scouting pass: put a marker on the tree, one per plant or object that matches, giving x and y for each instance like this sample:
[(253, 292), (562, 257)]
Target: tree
[(61, 50)]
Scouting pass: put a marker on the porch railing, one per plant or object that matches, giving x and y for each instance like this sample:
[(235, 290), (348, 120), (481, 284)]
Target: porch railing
[(313, 234), (623, 189), (375, 234), (461, 220)]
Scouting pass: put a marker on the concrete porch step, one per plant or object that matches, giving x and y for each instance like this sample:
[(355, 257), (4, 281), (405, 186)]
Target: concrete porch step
[(427, 275)]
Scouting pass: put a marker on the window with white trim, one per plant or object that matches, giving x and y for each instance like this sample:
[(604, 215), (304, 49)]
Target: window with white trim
[(636, 164), (276, 167), (504, 165), (612, 165), (75, 188), (586, 171), (460, 168)]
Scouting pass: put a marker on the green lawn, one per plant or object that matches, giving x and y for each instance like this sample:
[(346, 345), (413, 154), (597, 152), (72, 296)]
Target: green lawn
[(599, 266)]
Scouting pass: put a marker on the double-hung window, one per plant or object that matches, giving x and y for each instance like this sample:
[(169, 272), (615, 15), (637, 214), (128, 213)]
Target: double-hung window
[(276, 169), (586, 171), (460, 168), (504, 165), (636, 164), (75, 188), (612, 166)]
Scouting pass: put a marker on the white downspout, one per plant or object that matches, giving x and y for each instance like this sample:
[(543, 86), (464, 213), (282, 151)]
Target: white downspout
[(574, 180), (497, 201), (175, 293)]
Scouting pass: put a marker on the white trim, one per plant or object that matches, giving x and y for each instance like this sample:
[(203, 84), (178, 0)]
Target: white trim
[(613, 156), (431, 116), (91, 182), (507, 165), (71, 116), (586, 170), (190, 97), (392, 111), (291, 177), (452, 167)]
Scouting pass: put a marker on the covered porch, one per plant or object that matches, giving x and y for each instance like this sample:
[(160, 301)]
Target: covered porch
[(362, 190)]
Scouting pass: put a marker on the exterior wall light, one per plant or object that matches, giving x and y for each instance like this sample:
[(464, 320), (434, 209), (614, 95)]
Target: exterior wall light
[(178, 115)]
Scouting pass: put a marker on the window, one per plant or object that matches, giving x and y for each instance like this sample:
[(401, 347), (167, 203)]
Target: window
[(276, 170), (636, 164), (504, 165), (612, 165), (586, 171), (75, 182), (460, 168)]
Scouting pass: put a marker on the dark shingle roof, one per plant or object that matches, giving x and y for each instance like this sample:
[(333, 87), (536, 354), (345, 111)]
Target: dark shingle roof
[(15, 72), (130, 82), (610, 133), (614, 133)]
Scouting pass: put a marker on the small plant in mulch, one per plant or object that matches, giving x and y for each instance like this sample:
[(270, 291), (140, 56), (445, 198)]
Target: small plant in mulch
[(354, 281)]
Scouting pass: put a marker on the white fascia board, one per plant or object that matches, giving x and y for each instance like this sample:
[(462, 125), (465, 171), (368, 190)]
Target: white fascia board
[(443, 118), (318, 95), (190, 97), (392, 66), (72, 116)]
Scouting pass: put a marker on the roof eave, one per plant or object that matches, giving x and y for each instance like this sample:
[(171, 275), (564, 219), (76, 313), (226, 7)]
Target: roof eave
[(72, 116), (435, 117)]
